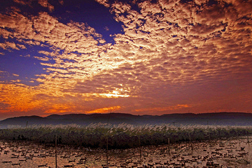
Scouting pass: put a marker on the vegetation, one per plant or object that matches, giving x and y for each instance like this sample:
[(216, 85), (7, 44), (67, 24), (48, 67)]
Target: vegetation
[(120, 136)]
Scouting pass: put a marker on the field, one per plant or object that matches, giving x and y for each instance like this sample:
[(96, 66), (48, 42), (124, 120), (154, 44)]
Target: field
[(121, 136), (101, 145)]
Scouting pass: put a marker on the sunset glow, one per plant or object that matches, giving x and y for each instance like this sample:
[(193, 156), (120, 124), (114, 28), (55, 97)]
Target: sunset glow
[(104, 110), (137, 57)]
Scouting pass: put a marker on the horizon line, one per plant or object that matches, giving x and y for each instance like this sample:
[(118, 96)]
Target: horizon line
[(62, 114)]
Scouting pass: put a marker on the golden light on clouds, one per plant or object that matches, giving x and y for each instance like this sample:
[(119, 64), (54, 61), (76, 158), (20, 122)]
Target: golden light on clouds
[(18, 97), (59, 108), (105, 110), (162, 56), (114, 94)]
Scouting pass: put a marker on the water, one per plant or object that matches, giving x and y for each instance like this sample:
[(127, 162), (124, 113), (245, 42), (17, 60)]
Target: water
[(228, 153)]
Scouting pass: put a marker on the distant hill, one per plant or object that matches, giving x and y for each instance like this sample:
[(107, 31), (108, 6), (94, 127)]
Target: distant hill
[(223, 118)]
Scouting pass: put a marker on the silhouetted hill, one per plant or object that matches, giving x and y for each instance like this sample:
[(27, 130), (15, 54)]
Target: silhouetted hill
[(224, 118)]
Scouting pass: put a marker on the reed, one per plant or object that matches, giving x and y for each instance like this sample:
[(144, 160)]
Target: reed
[(122, 136)]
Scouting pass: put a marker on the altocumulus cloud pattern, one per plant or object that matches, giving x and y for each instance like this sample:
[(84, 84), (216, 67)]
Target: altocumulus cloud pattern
[(139, 57)]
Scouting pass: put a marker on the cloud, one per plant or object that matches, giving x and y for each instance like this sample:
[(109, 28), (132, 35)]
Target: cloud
[(18, 97), (42, 58), (163, 109), (46, 4), (164, 46), (8, 45), (61, 2), (23, 2), (15, 75), (106, 28), (3, 106), (59, 108), (104, 2), (105, 110)]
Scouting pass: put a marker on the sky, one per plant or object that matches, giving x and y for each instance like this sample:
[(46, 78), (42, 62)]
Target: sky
[(139, 57)]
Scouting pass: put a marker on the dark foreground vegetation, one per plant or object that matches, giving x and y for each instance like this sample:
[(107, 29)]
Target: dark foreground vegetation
[(120, 136)]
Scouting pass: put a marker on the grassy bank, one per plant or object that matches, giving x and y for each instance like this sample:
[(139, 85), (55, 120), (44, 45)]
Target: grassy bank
[(121, 136)]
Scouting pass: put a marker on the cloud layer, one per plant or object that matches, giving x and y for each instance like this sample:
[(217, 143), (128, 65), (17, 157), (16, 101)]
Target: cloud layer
[(167, 50)]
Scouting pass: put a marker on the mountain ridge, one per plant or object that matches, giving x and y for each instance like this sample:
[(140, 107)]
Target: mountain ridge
[(220, 118)]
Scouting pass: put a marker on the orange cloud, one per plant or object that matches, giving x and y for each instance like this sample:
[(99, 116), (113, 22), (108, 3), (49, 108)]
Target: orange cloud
[(46, 4), (60, 108), (104, 110), (166, 43), (23, 2), (19, 97), (159, 109)]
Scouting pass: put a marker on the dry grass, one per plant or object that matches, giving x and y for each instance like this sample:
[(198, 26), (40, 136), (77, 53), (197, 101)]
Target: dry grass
[(121, 136)]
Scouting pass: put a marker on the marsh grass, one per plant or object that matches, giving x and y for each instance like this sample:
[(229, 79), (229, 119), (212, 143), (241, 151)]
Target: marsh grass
[(121, 136)]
